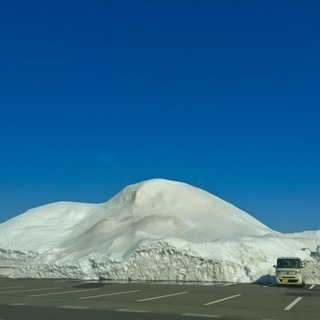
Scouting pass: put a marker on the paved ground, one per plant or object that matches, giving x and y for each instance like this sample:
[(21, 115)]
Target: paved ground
[(61, 299)]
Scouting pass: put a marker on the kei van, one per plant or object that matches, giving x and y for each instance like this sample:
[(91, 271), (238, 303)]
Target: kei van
[(289, 271)]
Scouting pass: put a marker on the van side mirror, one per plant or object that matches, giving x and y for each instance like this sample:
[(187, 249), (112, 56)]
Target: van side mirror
[(274, 266)]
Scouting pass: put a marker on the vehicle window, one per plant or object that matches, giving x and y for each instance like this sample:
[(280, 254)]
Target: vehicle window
[(288, 263)]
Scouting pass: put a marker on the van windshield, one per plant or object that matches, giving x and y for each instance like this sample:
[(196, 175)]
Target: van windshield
[(289, 263)]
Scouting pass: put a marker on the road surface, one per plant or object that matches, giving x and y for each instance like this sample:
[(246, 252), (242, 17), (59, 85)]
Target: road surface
[(29, 299)]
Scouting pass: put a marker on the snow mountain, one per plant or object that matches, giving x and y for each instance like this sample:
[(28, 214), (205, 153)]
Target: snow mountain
[(153, 230)]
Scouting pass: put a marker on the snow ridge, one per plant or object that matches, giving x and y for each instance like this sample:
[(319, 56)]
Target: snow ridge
[(153, 230)]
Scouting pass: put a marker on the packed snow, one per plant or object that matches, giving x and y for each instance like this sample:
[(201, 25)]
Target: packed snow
[(154, 230)]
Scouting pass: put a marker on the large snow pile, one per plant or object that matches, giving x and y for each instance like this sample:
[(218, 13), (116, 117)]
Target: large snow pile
[(154, 230)]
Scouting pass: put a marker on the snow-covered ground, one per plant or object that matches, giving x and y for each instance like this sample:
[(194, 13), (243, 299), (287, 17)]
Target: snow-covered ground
[(153, 230)]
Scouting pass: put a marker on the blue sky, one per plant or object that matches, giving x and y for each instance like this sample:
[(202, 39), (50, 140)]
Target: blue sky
[(224, 95)]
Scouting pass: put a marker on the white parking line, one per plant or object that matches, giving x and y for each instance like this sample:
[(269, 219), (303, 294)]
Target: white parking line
[(74, 307), (109, 294), (214, 316), (312, 287), (229, 284), (224, 299), (132, 310), (62, 292), (165, 296), (29, 290), (292, 304)]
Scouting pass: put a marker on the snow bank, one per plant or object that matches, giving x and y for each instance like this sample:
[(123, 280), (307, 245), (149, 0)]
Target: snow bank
[(154, 230)]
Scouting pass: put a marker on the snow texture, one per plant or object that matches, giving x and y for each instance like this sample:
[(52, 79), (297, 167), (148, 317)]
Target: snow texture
[(153, 230)]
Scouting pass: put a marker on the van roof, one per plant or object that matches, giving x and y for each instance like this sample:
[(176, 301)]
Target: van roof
[(289, 258)]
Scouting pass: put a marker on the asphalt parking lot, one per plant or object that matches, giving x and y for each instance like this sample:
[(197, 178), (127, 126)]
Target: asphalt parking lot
[(66, 299)]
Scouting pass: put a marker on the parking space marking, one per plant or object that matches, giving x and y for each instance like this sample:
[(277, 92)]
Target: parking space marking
[(6, 288), (165, 296), (132, 310), (312, 287), (61, 292), (109, 294), (74, 307), (224, 299), (292, 304), (212, 316), (29, 290)]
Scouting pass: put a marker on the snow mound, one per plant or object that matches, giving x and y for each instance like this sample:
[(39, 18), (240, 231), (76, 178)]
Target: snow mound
[(153, 230)]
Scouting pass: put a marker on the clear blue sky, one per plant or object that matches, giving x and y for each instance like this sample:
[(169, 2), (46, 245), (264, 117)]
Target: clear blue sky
[(224, 95)]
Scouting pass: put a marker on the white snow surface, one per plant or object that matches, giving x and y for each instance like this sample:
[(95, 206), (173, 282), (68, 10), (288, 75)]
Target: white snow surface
[(154, 230)]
